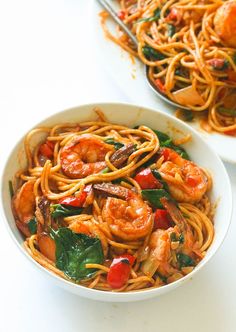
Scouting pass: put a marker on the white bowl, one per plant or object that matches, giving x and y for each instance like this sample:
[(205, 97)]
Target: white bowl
[(130, 115)]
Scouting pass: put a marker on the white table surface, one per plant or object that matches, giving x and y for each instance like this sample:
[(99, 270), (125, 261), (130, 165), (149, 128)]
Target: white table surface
[(47, 64)]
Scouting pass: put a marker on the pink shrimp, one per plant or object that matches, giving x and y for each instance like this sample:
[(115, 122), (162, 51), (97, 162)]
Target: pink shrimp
[(160, 252), (225, 23), (128, 219), (23, 205), (84, 156), (187, 182)]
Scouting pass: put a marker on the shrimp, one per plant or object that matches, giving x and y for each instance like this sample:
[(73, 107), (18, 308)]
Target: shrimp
[(129, 218), (160, 252), (225, 23), (23, 205), (84, 156), (89, 227), (160, 248), (187, 182)]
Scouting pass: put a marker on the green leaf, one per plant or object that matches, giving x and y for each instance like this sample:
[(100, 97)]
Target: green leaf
[(163, 278), (184, 260), (74, 251), (32, 225), (155, 17), (153, 196), (170, 30), (119, 180), (152, 54), (181, 238), (174, 238), (117, 145), (166, 141), (105, 170), (11, 190), (227, 111), (60, 210), (161, 136)]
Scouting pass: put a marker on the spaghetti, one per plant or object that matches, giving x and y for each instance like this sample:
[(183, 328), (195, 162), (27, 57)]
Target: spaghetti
[(190, 49), (111, 207)]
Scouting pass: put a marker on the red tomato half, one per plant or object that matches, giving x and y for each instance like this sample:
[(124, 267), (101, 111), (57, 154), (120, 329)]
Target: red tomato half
[(121, 14), (230, 132), (46, 149), (162, 219), (147, 180), (76, 201), (119, 272), (160, 86)]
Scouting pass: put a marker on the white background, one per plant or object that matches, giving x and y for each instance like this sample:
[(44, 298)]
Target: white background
[(48, 63)]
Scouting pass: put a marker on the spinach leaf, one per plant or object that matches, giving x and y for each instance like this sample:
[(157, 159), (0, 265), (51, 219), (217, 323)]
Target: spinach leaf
[(166, 141), (60, 210), (11, 190), (119, 180), (174, 238), (184, 260), (152, 54), (163, 278), (117, 145), (74, 251), (161, 136), (181, 238), (153, 196), (170, 30), (32, 225), (227, 111), (155, 17)]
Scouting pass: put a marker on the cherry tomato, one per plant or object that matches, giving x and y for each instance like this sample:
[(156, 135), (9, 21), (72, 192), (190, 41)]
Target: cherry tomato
[(46, 149), (230, 132), (162, 219), (160, 86), (147, 180), (119, 271), (76, 201), (121, 15), (174, 15), (166, 152)]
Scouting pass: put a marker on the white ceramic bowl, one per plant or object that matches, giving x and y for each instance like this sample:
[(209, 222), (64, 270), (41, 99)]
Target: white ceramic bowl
[(130, 115)]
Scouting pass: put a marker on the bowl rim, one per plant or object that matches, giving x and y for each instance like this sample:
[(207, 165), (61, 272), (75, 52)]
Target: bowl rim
[(114, 296)]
